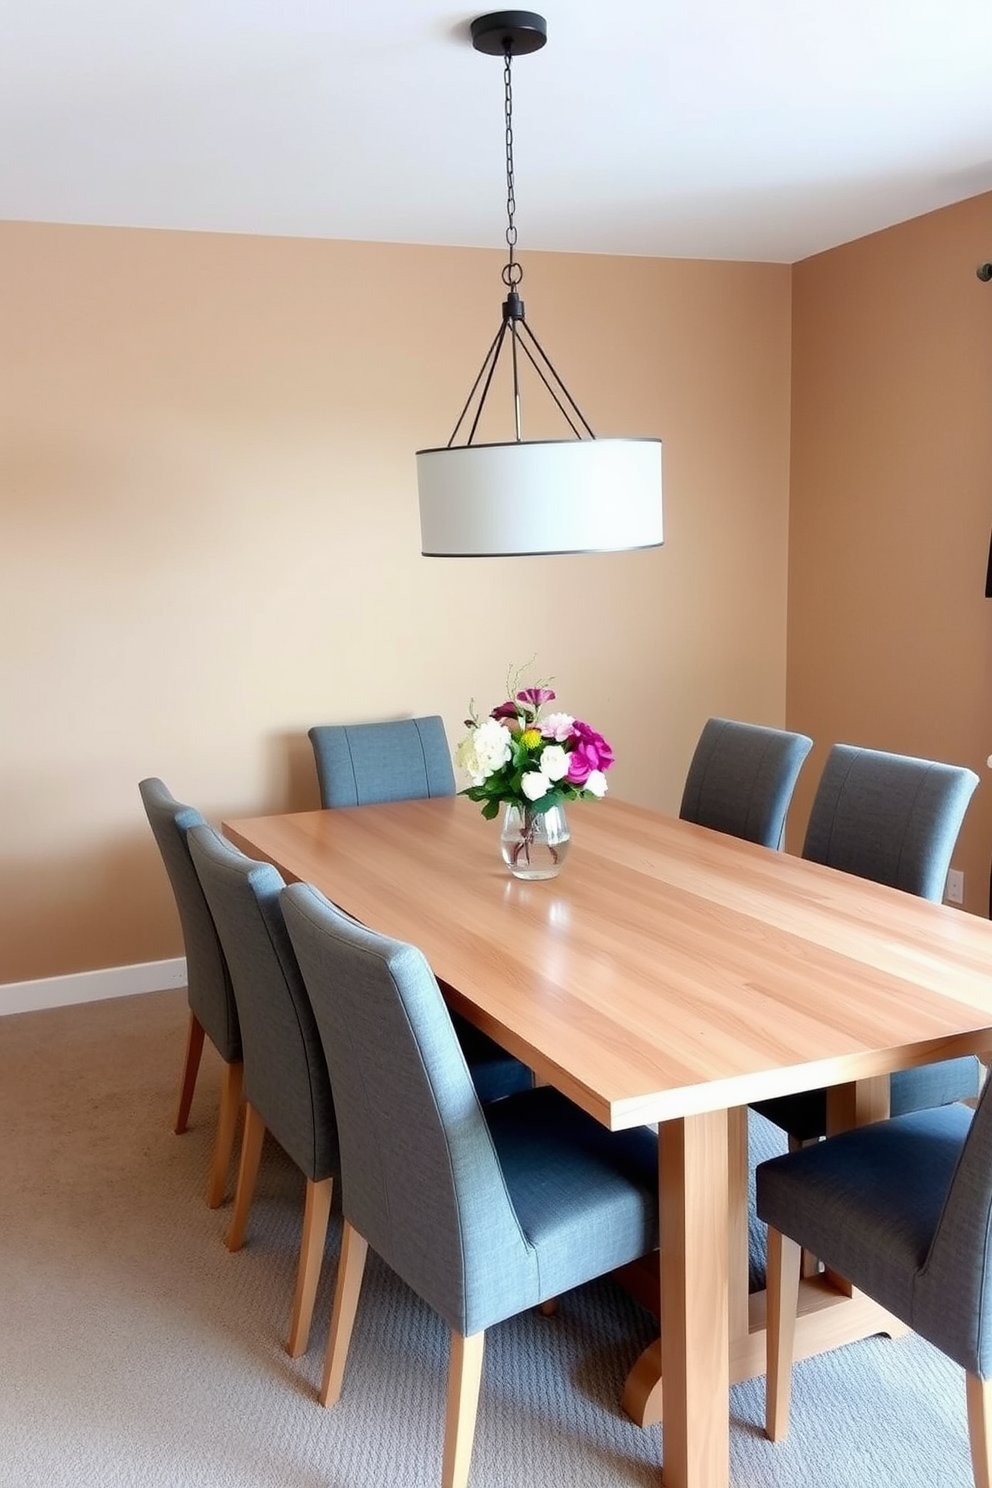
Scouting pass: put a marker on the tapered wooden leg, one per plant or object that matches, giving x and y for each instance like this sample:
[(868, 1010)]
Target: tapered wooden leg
[(782, 1299), (251, 1151), (191, 1066), (979, 1416), (464, 1378), (227, 1121), (316, 1213), (351, 1267)]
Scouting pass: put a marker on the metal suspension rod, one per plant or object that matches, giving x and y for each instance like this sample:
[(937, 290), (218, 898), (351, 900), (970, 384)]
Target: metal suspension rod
[(489, 360), (551, 368)]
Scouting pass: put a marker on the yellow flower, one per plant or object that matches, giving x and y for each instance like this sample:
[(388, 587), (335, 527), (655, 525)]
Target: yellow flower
[(531, 738)]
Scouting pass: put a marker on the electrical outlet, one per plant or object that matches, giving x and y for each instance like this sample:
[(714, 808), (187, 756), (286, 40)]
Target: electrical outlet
[(954, 893)]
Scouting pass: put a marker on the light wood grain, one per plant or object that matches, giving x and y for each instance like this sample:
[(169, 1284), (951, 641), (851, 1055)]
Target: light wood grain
[(669, 970), (191, 1067), (670, 975), (232, 1080), (979, 1395)]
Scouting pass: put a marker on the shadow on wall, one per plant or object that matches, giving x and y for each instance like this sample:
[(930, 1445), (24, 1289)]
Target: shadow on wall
[(290, 775)]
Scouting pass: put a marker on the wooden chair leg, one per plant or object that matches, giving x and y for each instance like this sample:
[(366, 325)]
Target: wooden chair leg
[(191, 1066), (782, 1300), (351, 1267), (316, 1213), (979, 1416), (227, 1121), (251, 1151), (464, 1378)]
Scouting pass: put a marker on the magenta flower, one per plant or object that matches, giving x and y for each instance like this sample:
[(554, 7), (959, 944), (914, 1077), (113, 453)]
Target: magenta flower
[(505, 710), (595, 747), (535, 697), (582, 760)]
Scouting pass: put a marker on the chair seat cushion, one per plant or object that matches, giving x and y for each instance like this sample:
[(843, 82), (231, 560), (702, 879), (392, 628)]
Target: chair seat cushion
[(586, 1198), (867, 1201)]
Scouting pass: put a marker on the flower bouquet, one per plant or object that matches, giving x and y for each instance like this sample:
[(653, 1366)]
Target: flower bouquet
[(532, 764)]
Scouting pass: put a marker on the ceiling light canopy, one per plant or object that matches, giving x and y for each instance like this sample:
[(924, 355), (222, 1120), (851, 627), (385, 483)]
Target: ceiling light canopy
[(578, 494)]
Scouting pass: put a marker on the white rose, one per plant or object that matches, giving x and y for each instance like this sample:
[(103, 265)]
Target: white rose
[(484, 751), (596, 783), (554, 762), (535, 784)]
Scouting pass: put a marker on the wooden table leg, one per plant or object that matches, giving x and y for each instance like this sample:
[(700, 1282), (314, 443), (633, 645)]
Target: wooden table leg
[(829, 1315), (642, 1396), (694, 1199)]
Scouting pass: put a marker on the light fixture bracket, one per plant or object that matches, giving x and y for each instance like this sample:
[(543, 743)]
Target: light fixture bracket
[(516, 31)]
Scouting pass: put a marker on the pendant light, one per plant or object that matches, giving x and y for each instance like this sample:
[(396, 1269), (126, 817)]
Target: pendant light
[(578, 494)]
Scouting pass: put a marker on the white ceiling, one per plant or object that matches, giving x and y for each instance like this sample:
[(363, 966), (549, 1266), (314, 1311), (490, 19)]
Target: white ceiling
[(689, 128)]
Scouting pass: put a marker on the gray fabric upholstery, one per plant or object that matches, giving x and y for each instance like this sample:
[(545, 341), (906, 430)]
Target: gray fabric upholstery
[(285, 1078), (407, 759), (741, 778), (482, 1211), (211, 996), (903, 1210), (889, 818), (895, 820), (359, 764)]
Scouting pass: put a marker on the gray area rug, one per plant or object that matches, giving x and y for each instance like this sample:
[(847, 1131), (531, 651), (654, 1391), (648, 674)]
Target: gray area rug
[(139, 1353)]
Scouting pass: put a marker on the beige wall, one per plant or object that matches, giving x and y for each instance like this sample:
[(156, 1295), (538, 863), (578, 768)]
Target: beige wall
[(890, 635), (210, 536)]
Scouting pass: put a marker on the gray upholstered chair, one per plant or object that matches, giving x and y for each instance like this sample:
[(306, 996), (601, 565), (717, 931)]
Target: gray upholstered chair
[(212, 1009), (403, 759), (903, 1209), (483, 1211), (407, 759), (741, 778), (287, 1090), (895, 820)]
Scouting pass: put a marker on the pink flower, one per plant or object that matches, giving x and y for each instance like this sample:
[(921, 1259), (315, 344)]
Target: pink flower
[(558, 726)]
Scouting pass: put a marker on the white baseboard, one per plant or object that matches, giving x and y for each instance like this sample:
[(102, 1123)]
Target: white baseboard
[(92, 986)]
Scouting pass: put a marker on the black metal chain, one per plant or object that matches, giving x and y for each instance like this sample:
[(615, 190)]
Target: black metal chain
[(512, 272)]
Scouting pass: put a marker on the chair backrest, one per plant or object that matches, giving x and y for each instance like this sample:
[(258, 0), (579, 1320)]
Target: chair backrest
[(211, 996), (952, 1295), (285, 1079), (888, 817), (741, 778), (360, 764), (420, 1177)]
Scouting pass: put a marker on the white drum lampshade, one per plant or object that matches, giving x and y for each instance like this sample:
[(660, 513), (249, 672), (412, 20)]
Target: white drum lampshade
[(550, 496)]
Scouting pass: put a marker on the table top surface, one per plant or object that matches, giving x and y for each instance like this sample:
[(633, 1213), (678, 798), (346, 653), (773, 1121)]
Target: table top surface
[(669, 969)]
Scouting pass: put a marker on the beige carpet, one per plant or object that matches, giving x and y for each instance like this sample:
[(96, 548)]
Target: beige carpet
[(138, 1352)]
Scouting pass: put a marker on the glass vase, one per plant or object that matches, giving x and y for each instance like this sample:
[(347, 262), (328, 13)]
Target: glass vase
[(534, 843)]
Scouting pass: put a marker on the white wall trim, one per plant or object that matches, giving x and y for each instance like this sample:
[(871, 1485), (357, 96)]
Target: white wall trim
[(92, 986)]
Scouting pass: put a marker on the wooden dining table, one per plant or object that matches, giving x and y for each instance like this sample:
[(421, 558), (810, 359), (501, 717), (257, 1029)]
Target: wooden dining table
[(670, 974)]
